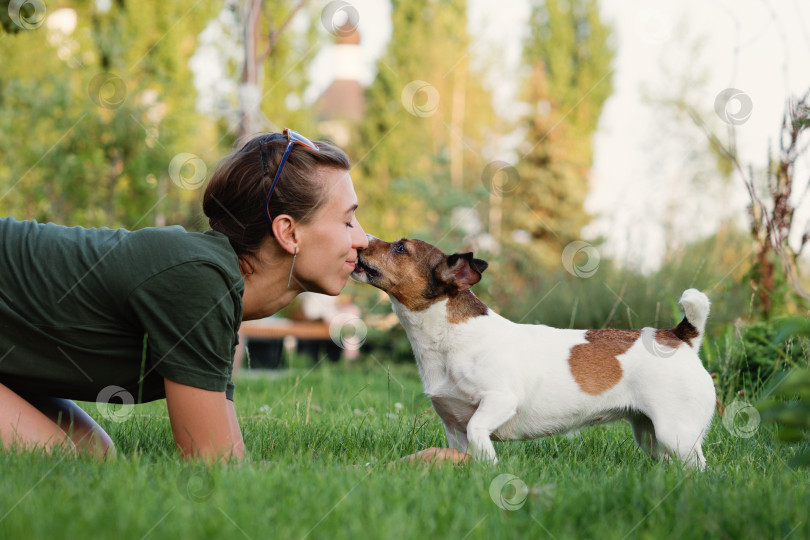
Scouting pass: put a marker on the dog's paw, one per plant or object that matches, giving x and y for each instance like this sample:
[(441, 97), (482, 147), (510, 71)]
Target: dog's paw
[(486, 455)]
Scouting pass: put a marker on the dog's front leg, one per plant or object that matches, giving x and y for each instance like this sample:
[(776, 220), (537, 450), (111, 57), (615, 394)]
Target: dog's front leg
[(494, 410), (456, 439)]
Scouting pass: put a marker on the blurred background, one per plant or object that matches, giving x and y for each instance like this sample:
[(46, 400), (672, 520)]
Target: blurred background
[(603, 156)]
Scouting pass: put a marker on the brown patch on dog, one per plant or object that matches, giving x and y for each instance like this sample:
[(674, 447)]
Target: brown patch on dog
[(414, 287), (685, 332), (595, 365), (668, 338), (464, 306)]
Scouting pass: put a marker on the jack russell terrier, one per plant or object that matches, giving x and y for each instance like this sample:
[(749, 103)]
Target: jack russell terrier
[(492, 379)]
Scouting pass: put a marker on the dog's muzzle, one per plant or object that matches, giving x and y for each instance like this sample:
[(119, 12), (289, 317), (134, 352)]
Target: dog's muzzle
[(364, 272)]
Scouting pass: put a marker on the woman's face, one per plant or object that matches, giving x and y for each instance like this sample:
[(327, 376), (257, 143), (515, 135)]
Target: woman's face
[(329, 242)]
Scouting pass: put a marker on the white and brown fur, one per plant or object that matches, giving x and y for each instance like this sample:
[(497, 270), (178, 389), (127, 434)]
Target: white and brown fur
[(492, 379)]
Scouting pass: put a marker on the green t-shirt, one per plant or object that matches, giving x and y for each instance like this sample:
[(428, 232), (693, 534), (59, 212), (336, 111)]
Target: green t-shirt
[(85, 309)]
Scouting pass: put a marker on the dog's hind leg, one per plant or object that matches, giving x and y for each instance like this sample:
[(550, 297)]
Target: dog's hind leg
[(494, 410), (456, 438), (644, 433)]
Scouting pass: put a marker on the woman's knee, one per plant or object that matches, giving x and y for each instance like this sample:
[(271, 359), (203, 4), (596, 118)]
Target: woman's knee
[(82, 430), (22, 425)]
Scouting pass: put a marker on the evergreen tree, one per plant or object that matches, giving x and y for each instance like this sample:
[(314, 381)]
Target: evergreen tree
[(425, 122), (568, 50)]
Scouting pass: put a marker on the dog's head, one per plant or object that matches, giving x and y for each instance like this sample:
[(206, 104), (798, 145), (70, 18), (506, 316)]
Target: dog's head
[(416, 273)]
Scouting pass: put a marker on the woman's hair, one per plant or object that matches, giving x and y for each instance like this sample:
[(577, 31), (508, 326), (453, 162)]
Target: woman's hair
[(234, 198)]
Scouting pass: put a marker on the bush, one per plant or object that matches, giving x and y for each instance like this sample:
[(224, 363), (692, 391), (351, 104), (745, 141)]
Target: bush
[(745, 358), (787, 400)]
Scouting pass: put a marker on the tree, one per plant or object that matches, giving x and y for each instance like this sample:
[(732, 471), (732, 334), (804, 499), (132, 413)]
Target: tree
[(569, 55), (278, 58), (95, 105), (427, 114)]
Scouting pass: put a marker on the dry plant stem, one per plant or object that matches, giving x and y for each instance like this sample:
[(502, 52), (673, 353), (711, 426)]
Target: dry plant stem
[(771, 228)]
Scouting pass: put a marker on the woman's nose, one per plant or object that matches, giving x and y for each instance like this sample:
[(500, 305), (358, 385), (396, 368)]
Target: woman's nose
[(361, 238)]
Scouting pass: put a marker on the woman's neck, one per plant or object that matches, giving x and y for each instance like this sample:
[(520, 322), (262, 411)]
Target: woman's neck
[(266, 289)]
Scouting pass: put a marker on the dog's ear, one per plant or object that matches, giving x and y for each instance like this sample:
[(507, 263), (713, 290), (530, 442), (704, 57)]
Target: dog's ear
[(461, 270)]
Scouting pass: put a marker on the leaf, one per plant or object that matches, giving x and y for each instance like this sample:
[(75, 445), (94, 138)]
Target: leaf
[(791, 435), (797, 382), (801, 460), (791, 326), (793, 415)]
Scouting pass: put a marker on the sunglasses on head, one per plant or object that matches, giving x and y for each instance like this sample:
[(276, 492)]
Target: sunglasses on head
[(293, 138)]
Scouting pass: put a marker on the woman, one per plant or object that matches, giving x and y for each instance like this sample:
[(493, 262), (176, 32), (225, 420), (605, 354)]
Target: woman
[(89, 314)]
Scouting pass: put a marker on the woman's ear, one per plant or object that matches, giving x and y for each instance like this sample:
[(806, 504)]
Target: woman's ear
[(286, 232)]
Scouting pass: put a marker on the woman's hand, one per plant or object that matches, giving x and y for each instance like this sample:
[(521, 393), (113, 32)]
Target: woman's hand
[(437, 455)]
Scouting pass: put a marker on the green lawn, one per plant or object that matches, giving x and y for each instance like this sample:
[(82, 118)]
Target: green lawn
[(310, 434)]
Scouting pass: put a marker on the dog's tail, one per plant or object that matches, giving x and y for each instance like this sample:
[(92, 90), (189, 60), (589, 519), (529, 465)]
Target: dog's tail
[(696, 310)]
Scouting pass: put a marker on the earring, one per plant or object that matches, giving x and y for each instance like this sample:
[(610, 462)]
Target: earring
[(293, 266)]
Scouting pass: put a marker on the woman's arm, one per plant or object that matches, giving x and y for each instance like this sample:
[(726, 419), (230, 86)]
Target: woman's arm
[(204, 423), (236, 432)]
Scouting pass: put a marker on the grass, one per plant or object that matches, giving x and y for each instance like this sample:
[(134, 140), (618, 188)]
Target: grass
[(310, 434)]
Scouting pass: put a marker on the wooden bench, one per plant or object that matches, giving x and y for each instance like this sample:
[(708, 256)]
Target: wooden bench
[(276, 329)]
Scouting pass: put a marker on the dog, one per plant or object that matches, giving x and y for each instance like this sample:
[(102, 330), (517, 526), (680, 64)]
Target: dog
[(489, 378)]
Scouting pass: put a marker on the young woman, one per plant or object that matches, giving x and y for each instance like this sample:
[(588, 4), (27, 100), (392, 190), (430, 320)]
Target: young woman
[(88, 314)]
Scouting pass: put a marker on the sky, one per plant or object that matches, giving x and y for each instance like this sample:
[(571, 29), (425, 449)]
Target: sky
[(642, 162), (645, 157)]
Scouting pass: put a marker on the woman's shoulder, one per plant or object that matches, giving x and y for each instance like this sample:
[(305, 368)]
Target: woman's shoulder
[(177, 237), (174, 245), (134, 254)]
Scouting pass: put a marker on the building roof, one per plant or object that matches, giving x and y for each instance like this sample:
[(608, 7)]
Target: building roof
[(344, 99)]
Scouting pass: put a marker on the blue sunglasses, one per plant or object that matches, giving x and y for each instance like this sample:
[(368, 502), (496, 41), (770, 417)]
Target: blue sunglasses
[(293, 138)]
